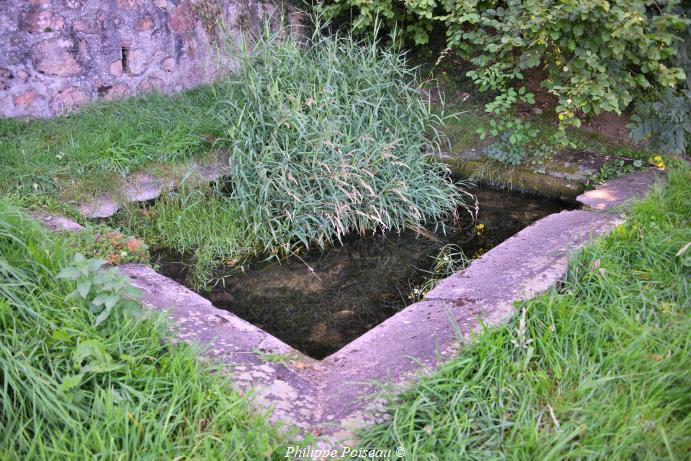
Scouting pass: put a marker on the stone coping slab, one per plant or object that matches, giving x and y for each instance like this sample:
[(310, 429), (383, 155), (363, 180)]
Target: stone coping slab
[(619, 191), (57, 223), (337, 395)]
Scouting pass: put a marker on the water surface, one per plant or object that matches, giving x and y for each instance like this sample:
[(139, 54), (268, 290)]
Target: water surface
[(321, 301)]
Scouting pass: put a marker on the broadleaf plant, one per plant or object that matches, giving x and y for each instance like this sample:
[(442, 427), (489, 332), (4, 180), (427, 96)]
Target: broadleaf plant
[(594, 56)]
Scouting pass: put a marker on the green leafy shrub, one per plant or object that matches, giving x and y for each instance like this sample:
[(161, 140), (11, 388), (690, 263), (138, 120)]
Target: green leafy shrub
[(593, 56), (103, 289), (665, 123), (663, 120), (328, 137)]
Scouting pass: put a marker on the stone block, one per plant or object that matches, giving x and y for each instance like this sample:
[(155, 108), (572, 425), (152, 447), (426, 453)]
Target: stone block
[(55, 56), (116, 91), (145, 23), (168, 64), (137, 61), (150, 84), (74, 4), (127, 4), (68, 99), (26, 99), (182, 18), (116, 68), (42, 21)]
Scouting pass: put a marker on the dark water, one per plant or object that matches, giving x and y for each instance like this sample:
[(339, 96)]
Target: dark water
[(323, 300)]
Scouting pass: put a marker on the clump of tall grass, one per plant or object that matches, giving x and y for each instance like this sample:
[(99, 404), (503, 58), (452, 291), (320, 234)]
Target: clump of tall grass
[(330, 136), (74, 385), (199, 222)]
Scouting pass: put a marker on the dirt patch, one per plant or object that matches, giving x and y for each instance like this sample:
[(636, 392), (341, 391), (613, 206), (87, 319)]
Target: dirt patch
[(610, 125)]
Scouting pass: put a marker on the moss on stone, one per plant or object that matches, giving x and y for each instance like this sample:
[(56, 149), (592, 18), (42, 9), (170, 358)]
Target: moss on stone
[(487, 172)]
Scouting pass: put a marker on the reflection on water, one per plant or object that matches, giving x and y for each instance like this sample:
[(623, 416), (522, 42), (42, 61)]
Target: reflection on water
[(321, 301)]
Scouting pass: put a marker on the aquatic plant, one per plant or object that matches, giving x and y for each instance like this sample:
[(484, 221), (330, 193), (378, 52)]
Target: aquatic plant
[(330, 136)]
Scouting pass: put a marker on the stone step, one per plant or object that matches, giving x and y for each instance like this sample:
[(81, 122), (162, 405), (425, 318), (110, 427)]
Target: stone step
[(142, 187)]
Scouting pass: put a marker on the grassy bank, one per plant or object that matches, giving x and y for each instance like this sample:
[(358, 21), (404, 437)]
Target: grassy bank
[(76, 383), (598, 369), (93, 149)]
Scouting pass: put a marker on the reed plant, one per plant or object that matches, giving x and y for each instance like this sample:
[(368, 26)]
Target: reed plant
[(328, 136)]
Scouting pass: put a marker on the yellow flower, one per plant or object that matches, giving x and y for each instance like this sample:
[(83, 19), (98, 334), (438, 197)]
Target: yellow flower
[(658, 161)]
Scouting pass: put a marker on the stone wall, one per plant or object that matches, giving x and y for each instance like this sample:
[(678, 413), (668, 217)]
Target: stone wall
[(56, 55)]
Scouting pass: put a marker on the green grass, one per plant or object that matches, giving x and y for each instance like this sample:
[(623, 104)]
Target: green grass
[(136, 397), (199, 222), (598, 369), (92, 150)]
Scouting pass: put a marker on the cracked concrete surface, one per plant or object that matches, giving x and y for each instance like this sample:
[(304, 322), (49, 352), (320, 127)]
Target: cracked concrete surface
[(335, 396)]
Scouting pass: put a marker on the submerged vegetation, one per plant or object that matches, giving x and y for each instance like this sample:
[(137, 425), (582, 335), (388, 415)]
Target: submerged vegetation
[(201, 224)]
